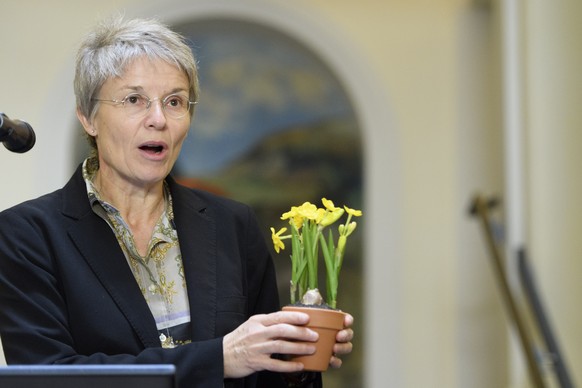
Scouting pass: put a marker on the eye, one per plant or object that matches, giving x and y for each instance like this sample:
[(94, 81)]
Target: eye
[(175, 101), (135, 99)]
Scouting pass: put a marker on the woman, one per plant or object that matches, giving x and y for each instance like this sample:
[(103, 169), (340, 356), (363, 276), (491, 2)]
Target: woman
[(123, 265)]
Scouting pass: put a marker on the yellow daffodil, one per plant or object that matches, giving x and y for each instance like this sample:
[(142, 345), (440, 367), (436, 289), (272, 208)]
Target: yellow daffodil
[(294, 217), (308, 210), (352, 212), (277, 239), (331, 217), (328, 204), (290, 214), (307, 225), (331, 213)]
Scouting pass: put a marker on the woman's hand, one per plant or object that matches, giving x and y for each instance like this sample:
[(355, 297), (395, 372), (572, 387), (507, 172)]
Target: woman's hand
[(249, 347), (343, 342)]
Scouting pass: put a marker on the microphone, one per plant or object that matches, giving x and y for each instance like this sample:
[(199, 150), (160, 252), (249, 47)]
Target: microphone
[(16, 135)]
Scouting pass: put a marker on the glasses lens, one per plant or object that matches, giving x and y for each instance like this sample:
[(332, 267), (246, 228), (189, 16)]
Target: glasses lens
[(176, 105), (136, 104)]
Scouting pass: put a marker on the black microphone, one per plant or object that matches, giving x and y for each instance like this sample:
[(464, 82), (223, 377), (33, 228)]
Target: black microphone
[(16, 135)]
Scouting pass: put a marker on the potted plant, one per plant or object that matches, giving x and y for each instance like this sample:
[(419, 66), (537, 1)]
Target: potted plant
[(308, 224)]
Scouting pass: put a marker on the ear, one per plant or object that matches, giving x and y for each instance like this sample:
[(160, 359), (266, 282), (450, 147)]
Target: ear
[(88, 125)]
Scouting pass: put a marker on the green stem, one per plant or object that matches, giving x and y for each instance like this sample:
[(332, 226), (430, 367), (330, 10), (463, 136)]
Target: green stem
[(330, 253), (310, 242)]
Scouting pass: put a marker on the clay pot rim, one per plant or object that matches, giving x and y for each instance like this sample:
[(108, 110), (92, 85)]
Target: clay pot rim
[(320, 315)]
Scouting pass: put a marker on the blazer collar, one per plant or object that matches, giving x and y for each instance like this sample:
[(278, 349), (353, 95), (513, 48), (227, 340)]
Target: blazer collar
[(100, 249)]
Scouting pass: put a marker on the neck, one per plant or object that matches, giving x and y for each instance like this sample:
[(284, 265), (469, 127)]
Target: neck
[(137, 205)]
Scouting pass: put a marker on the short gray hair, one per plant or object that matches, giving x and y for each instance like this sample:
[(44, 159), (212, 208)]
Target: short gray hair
[(114, 44)]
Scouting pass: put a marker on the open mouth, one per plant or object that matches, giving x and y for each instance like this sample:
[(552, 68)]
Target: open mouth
[(152, 148)]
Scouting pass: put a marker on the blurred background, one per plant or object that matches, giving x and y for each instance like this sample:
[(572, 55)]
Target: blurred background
[(404, 109)]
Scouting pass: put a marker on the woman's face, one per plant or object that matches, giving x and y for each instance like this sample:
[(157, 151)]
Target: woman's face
[(139, 151)]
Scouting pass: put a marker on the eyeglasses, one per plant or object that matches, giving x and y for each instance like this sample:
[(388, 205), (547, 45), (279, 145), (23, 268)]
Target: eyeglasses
[(136, 104)]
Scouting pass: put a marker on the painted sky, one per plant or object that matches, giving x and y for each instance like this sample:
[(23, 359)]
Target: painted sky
[(254, 82)]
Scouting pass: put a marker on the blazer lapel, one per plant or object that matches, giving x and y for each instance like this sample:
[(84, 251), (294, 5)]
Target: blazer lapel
[(197, 233), (98, 245)]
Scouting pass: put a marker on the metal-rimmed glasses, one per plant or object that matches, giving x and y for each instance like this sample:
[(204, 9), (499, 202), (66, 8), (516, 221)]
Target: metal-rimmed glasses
[(136, 104)]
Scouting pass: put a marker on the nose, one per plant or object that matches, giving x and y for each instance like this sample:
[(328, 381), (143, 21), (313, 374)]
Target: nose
[(156, 116)]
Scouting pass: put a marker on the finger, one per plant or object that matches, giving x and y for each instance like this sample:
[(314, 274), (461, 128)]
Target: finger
[(345, 335), (291, 332), (348, 320), (290, 317), (288, 347), (267, 362), (281, 366), (335, 362), (342, 348)]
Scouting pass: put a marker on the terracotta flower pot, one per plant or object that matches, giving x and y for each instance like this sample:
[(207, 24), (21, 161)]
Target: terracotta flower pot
[(326, 323)]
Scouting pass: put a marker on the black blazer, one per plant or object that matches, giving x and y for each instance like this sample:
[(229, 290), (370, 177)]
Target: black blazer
[(68, 296)]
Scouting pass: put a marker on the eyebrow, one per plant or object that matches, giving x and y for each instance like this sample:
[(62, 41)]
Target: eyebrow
[(140, 89)]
